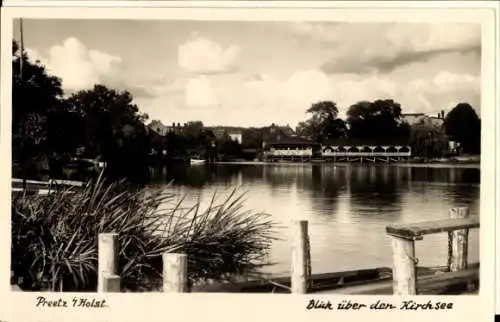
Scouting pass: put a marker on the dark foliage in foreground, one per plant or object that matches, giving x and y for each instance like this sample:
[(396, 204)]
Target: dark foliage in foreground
[(54, 237)]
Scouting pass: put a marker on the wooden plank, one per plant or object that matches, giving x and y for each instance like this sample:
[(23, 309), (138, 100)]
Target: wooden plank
[(33, 184), (175, 275), (111, 283), (66, 182), (440, 283), (107, 253), (15, 288), (299, 269), (459, 241), (318, 281), (17, 180), (19, 191), (404, 266), (415, 230)]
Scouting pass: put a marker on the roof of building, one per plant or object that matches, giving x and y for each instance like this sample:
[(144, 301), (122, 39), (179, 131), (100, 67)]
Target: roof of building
[(276, 135), (413, 114), (291, 140), (366, 142), (156, 123)]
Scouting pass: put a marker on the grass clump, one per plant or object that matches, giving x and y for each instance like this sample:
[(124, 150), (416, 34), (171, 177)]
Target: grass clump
[(54, 237)]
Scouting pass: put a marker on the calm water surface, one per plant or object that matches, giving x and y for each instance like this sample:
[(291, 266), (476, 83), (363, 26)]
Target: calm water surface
[(347, 206)]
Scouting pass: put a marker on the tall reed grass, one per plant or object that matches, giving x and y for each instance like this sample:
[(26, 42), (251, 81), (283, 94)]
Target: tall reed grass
[(54, 237)]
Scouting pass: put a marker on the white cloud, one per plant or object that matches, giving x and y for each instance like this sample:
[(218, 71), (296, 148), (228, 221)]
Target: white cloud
[(201, 55), (425, 67), (358, 46), (445, 35), (445, 90), (199, 92), (392, 37), (77, 66), (451, 81), (236, 100), (427, 84), (322, 32)]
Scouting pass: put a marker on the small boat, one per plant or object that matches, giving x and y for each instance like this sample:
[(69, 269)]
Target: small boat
[(197, 161)]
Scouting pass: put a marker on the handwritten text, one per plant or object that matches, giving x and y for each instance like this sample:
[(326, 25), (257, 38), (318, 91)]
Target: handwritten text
[(42, 301), (346, 305)]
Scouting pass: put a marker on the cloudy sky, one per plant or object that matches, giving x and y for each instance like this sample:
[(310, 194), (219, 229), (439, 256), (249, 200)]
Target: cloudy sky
[(257, 73)]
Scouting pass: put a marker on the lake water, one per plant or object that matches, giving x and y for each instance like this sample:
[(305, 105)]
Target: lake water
[(347, 206)]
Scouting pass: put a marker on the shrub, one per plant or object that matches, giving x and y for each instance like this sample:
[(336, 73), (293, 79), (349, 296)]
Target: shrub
[(54, 237)]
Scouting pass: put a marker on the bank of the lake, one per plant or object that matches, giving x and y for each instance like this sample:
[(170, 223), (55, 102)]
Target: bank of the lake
[(446, 164)]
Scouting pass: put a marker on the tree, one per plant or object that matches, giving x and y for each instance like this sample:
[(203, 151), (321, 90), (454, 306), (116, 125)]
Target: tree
[(463, 125), (252, 138), (65, 127), (324, 110), (35, 96), (428, 140), (229, 148), (113, 128), (193, 128), (376, 120), (334, 128), (307, 129), (194, 134), (323, 123), (176, 145)]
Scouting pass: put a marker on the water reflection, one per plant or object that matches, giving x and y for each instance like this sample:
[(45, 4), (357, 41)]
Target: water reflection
[(347, 206)]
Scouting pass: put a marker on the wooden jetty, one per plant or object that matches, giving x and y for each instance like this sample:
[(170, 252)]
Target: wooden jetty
[(43, 187), (365, 281), (404, 278), (403, 245)]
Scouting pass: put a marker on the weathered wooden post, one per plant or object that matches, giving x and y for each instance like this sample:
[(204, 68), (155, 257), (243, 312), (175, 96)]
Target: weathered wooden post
[(107, 249), (404, 269), (458, 242), (300, 258), (111, 283), (175, 277)]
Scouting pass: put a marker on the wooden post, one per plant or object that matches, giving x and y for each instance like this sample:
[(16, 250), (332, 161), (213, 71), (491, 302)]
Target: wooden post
[(111, 283), (175, 279), (458, 242), (300, 258), (108, 258), (404, 267)]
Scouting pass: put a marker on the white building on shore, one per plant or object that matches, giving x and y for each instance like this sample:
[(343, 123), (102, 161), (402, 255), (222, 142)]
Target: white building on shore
[(414, 118)]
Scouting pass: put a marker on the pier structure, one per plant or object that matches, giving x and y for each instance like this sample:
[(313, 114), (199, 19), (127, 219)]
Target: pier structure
[(294, 149), (283, 148), (296, 154), (300, 152), (366, 153)]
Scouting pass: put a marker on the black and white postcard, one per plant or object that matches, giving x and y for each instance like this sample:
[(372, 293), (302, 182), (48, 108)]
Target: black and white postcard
[(300, 160)]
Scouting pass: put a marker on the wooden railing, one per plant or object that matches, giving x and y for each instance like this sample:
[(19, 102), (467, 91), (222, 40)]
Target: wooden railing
[(43, 187), (403, 246), (175, 274)]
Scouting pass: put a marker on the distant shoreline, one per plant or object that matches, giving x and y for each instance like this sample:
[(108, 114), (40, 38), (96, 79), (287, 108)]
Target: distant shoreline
[(435, 164)]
